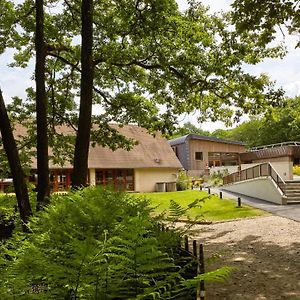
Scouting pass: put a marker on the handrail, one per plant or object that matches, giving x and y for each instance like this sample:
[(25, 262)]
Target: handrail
[(261, 170), (291, 143)]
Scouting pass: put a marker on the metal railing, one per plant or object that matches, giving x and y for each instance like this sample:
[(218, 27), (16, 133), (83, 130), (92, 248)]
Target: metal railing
[(294, 143), (261, 170)]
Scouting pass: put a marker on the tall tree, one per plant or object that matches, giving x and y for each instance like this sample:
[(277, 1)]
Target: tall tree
[(11, 150), (266, 17), (41, 108), (80, 164), (145, 54), (189, 128)]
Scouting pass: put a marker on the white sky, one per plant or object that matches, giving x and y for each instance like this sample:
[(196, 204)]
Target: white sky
[(286, 71)]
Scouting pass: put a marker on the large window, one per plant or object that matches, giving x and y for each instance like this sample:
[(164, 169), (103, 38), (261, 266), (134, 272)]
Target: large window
[(118, 179), (198, 155)]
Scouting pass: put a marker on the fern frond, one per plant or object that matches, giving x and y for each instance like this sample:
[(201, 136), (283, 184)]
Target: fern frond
[(219, 275)]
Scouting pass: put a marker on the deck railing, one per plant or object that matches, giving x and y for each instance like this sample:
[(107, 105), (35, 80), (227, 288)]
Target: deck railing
[(261, 170), (291, 143)]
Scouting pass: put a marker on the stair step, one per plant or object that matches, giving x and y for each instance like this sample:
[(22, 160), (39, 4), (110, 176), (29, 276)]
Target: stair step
[(293, 198), (291, 188), (292, 191), (293, 202)]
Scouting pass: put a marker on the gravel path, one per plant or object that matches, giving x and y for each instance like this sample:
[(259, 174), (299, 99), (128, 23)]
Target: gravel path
[(265, 252)]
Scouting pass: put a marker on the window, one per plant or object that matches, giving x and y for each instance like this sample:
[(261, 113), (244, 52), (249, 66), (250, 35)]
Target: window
[(198, 155)]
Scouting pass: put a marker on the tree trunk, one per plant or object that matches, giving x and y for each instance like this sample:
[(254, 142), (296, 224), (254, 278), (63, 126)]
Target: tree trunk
[(11, 151), (41, 109), (80, 164)]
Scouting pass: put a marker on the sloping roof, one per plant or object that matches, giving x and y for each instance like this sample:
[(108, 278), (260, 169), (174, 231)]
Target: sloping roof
[(182, 139), (150, 152)]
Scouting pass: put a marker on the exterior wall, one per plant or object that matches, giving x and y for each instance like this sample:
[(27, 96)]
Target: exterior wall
[(196, 173), (283, 166), (145, 179), (261, 188), (92, 176), (208, 146), (182, 154)]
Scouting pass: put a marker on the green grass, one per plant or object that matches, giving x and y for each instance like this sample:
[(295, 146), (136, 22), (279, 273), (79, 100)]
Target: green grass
[(212, 209)]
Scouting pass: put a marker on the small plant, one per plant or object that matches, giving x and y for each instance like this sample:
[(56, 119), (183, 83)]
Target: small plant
[(216, 179), (296, 170), (182, 181)]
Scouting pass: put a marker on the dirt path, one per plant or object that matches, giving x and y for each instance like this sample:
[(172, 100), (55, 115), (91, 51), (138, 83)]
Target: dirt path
[(265, 252)]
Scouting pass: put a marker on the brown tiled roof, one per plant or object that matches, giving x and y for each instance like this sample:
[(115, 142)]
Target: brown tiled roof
[(151, 152)]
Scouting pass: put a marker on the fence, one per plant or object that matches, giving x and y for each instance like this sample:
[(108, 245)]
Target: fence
[(257, 171)]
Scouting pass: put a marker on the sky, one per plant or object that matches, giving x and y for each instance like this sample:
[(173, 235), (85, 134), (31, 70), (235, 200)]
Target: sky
[(286, 71)]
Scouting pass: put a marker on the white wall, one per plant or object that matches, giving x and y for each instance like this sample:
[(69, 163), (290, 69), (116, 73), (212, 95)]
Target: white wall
[(262, 188), (145, 179), (92, 176)]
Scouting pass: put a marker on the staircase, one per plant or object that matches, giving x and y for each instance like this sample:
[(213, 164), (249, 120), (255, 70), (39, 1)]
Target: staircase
[(291, 190)]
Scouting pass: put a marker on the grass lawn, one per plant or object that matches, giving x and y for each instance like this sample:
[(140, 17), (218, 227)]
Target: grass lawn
[(212, 209)]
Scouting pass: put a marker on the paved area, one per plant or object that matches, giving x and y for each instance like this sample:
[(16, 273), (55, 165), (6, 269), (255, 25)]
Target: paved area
[(291, 211)]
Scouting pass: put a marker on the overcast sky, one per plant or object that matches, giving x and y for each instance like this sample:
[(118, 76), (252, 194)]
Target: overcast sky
[(286, 71)]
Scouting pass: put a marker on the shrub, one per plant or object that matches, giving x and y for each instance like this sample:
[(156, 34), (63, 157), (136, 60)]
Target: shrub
[(296, 170), (92, 244), (182, 181)]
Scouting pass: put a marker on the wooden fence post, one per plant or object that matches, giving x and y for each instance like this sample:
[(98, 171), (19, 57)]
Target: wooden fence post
[(186, 243), (202, 271)]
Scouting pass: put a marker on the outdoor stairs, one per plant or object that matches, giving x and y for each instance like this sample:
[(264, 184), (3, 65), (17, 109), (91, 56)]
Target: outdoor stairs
[(291, 190)]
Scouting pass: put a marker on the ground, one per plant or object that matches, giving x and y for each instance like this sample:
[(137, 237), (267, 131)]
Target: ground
[(265, 252)]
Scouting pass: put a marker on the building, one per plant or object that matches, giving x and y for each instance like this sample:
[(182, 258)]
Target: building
[(151, 161), (266, 172), (198, 153)]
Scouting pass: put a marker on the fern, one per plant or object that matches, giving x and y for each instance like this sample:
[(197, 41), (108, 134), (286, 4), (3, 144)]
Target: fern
[(218, 275)]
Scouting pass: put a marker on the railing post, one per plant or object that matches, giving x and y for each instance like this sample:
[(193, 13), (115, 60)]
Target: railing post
[(260, 170)]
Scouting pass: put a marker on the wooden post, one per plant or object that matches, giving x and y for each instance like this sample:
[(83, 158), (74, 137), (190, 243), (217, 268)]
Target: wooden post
[(202, 271), (186, 243), (195, 248)]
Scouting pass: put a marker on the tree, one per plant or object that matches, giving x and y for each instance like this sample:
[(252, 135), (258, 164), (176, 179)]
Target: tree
[(145, 54), (277, 125), (189, 128), (41, 108), (11, 150), (264, 17), (80, 164)]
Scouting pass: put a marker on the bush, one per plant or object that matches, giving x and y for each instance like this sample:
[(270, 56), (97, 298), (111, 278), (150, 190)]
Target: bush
[(296, 170), (182, 181), (92, 244)]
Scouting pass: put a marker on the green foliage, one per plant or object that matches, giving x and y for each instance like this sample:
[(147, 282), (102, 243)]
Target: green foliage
[(212, 209), (186, 61), (182, 182), (296, 170), (276, 125), (262, 17), (93, 244), (188, 128), (216, 179), (219, 275)]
